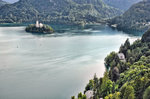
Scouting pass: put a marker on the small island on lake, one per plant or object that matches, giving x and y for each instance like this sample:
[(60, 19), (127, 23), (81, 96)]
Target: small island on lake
[(39, 28)]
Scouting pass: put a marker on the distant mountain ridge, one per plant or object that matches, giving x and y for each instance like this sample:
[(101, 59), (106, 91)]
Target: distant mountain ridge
[(10, 1), (57, 11), (121, 4), (137, 18)]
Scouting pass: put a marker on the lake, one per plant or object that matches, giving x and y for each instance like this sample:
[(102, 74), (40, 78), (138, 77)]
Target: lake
[(54, 66)]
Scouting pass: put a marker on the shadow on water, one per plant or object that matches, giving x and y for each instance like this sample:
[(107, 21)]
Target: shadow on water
[(131, 32), (72, 30), (99, 29)]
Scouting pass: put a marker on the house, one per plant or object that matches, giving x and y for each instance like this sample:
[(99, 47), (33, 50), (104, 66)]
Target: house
[(122, 57), (89, 94), (41, 25), (114, 25)]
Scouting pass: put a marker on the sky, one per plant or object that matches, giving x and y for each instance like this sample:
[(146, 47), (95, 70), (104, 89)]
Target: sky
[(11, 1)]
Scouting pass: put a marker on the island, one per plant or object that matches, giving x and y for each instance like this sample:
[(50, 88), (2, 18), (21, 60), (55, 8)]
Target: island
[(39, 28)]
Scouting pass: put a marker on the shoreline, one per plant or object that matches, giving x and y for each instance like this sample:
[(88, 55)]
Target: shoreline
[(128, 31)]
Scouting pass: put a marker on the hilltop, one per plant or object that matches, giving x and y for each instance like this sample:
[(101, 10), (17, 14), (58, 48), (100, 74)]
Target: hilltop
[(121, 4), (136, 18), (57, 11)]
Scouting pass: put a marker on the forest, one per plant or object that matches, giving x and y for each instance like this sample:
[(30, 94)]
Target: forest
[(124, 79)]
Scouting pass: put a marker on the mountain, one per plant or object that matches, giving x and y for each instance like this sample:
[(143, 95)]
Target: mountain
[(56, 11), (2, 3), (136, 18), (121, 4)]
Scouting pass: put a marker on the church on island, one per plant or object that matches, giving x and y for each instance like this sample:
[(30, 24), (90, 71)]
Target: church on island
[(39, 28), (38, 25)]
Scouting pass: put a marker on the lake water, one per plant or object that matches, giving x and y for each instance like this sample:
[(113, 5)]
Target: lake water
[(54, 66)]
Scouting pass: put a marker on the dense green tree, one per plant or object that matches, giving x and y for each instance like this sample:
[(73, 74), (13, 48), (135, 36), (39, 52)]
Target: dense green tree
[(140, 84), (73, 97), (95, 79), (107, 85), (147, 93), (124, 48), (80, 95), (84, 97), (127, 44), (96, 83), (116, 95), (90, 85), (111, 60), (110, 96), (131, 60), (127, 92)]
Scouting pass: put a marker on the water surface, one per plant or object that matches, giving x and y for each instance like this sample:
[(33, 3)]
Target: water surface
[(54, 66)]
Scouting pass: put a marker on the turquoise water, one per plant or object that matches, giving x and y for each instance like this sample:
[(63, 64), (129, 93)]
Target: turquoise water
[(53, 66)]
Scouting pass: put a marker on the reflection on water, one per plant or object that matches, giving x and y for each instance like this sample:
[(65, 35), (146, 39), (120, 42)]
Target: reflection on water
[(53, 66)]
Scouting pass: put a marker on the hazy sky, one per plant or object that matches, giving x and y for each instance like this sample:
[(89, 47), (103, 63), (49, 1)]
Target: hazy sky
[(10, 0)]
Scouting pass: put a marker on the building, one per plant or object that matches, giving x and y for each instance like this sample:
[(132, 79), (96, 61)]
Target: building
[(89, 94), (122, 57), (39, 25)]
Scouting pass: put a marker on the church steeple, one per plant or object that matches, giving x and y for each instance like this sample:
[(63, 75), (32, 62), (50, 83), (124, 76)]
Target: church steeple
[(37, 23)]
